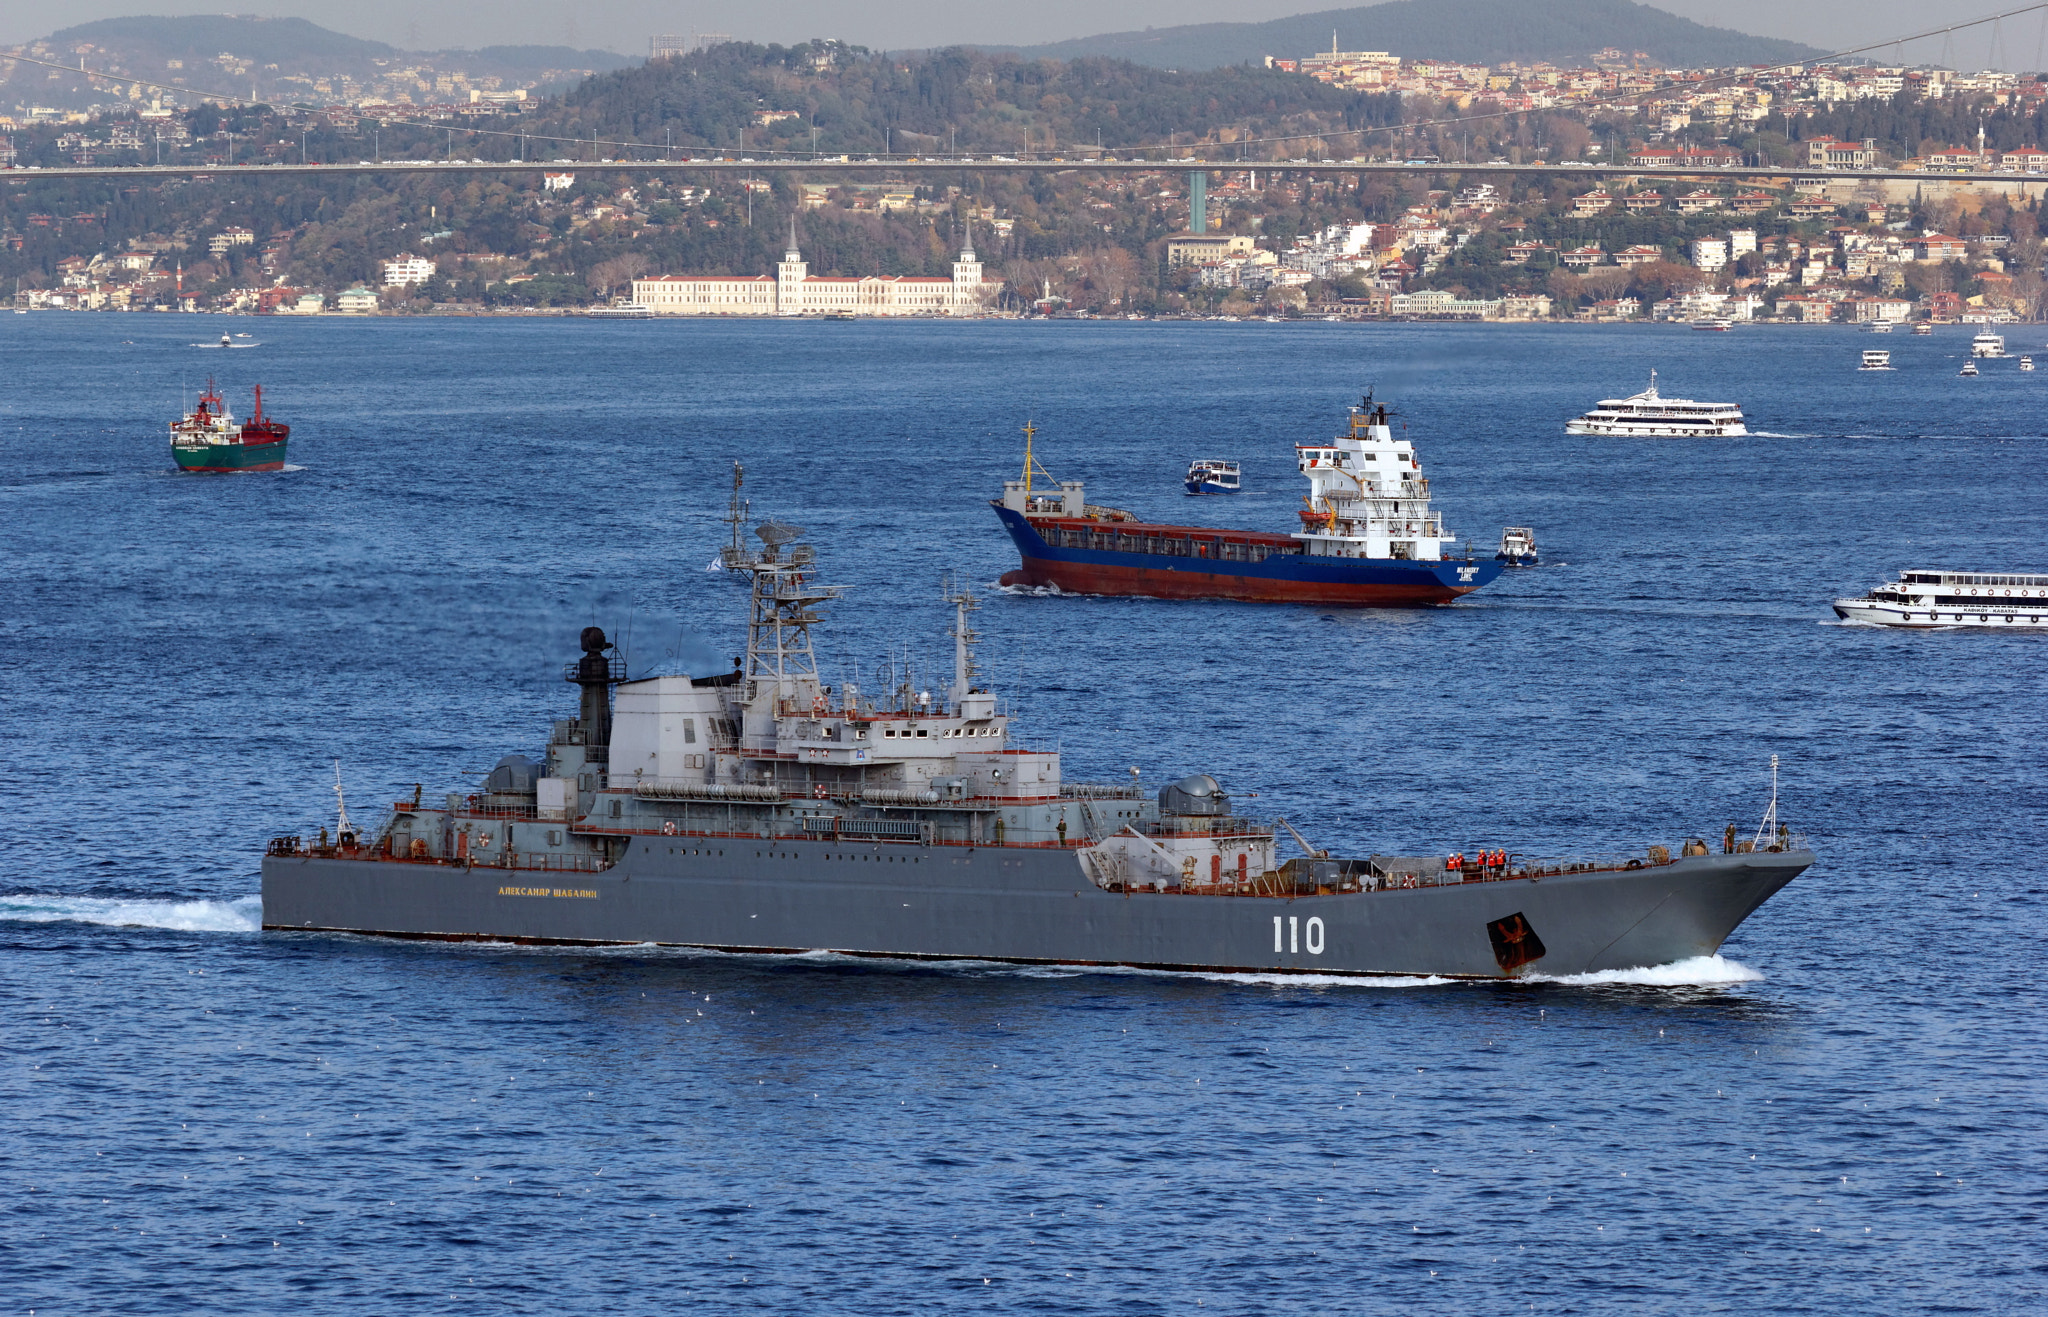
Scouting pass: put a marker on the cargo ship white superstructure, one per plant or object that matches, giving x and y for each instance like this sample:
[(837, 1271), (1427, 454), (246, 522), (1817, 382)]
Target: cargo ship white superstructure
[(1651, 415), (1950, 599)]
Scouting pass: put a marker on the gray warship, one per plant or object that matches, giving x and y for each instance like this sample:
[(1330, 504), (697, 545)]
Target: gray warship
[(761, 810)]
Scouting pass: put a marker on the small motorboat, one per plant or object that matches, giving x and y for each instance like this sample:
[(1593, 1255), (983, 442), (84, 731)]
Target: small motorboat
[(1969, 368), (2026, 363), (1213, 475), (1517, 546)]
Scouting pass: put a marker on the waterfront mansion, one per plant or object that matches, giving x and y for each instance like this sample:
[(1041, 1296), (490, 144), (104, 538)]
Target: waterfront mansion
[(794, 291)]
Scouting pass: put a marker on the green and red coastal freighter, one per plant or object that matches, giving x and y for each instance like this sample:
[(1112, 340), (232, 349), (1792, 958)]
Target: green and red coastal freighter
[(211, 440)]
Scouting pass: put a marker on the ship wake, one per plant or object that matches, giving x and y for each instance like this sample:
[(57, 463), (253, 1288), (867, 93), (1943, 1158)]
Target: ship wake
[(1696, 972), (244, 915), (1046, 591)]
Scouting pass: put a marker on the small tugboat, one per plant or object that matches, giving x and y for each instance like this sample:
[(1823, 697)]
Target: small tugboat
[(1517, 547), (1988, 344), (1651, 415), (1213, 475), (1368, 537), (1876, 359), (1926, 599), (762, 810), (1969, 368), (209, 440)]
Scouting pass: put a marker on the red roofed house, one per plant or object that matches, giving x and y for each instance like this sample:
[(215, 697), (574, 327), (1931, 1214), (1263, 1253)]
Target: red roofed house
[(1937, 247), (1955, 157), (1827, 153)]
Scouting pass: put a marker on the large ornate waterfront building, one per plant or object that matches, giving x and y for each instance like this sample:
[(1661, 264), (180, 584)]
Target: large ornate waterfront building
[(795, 291)]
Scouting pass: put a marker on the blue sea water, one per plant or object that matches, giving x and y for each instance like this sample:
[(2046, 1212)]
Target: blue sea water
[(1841, 1114)]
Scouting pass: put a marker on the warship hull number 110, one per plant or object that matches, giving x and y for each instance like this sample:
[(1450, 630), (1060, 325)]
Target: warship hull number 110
[(763, 811)]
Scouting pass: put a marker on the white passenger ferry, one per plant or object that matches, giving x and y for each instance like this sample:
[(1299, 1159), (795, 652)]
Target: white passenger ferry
[(1650, 415), (1988, 344), (1876, 359), (1944, 599)]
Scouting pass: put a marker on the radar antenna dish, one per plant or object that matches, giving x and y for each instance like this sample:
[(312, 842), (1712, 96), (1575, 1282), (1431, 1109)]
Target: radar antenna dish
[(775, 534)]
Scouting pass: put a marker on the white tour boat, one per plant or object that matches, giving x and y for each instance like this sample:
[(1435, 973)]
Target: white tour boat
[(1969, 368), (1648, 414), (1214, 475), (1517, 547), (2026, 363), (620, 311), (1881, 327), (1876, 359), (1988, 344), (1932, 599), (1923, 328)]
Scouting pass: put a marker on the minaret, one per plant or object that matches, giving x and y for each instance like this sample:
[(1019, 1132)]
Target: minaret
[(967, 276), (790, 277)]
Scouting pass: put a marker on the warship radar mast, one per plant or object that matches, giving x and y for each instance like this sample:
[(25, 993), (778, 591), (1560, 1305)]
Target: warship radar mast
[(779, 657), (966, 673), (732, 554)]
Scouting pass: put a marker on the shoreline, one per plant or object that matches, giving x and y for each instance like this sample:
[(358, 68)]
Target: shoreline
[(535, 313)]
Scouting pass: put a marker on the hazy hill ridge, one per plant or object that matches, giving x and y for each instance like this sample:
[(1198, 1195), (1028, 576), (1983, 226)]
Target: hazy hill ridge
[(1468, 31), (275, 57)]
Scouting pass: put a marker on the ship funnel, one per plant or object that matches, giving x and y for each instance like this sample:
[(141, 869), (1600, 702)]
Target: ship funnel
[(596, 674)]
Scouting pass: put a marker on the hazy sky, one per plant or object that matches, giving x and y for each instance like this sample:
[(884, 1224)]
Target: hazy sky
[(625, 25)]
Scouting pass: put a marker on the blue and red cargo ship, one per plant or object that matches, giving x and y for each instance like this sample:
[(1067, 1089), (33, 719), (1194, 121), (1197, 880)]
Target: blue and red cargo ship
[(1369, 538)]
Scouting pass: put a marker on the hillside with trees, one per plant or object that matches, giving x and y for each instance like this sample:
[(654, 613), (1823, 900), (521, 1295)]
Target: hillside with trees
[(1467, 31), (836, 99)]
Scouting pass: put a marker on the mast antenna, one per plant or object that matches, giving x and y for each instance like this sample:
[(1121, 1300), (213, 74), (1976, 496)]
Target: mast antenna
[(966, 673), (342, 827), (1769, 827), (1031, 464), (735, 516)]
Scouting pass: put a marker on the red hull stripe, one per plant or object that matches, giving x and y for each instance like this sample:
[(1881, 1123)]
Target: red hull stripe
[(1103, 578)]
